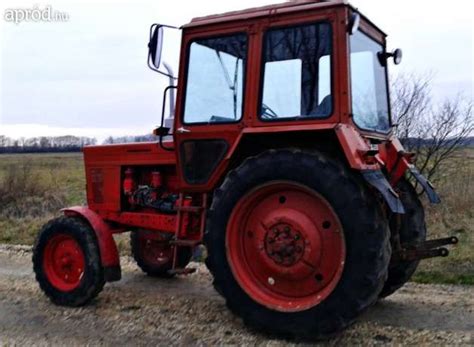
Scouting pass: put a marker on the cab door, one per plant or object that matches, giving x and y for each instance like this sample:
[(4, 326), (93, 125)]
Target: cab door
[(211, 105)]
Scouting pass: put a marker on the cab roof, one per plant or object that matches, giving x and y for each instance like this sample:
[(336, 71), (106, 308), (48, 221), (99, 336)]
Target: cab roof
[(285, 7), (265, 11)]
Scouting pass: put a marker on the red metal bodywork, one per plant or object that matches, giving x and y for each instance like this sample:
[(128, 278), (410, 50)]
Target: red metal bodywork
[(106, 165), (396, 160)]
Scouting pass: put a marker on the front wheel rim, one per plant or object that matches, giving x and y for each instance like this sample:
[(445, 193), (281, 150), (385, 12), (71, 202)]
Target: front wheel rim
[(63, 262), (285, 246)]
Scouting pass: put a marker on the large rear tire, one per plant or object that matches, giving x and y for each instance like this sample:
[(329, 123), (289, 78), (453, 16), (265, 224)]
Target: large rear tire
[(412, 230), (66, 262), (297, 244)]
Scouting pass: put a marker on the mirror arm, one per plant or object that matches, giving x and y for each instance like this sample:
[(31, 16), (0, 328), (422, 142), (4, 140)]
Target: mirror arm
[(162, 145), (166, 26), (161, 25)]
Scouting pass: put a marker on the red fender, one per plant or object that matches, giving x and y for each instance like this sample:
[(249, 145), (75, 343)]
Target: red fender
[(109, 255)]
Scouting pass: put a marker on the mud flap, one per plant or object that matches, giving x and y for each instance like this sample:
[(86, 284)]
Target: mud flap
[(427, 186), (377, 180), (112, 273)]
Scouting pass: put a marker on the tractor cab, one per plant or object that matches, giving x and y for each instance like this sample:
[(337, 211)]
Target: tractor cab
[(304, 66)]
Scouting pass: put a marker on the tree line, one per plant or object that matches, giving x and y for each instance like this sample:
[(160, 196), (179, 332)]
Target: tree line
[(58, 144), (45, 144)]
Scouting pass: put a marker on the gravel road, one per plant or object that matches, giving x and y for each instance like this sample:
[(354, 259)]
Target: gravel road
[(187, 311)]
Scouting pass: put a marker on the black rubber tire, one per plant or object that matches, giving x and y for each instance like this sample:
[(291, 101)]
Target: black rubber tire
[(412, 229), (184, 257), (92, 281), (366, 233)]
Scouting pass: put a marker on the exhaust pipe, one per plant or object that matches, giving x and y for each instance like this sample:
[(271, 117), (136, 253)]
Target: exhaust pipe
[(172, 91)]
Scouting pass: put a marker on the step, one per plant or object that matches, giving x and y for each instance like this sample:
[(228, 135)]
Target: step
[(186, 243), (190, 209)]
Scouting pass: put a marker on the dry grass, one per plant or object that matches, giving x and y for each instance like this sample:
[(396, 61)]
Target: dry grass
[(32, 190), (453, 217), (34, 187), (25, 193)]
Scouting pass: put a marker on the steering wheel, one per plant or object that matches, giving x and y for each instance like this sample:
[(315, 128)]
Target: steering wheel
[(267, 112)]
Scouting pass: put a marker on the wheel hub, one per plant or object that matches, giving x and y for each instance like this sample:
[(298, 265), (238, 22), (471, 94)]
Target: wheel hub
[(284, 245), (157, 253)]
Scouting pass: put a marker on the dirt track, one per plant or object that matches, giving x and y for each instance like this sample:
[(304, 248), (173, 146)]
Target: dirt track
[(142, 310)]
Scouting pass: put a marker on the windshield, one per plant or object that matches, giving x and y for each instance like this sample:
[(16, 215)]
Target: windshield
[(215, 80), (369, 84)]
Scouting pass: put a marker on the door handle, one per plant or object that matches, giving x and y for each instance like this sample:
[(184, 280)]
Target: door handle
[(183, 130)]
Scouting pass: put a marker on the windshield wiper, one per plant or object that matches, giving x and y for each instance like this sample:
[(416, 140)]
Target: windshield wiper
[(232, 85)]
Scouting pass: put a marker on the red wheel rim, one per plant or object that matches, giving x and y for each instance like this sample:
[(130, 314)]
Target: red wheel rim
[(285, 246), (63, 262), (156, 253)]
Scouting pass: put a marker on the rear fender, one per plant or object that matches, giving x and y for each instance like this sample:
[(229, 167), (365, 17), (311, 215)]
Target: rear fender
[(109, 255), (427, 186), (378, 181)]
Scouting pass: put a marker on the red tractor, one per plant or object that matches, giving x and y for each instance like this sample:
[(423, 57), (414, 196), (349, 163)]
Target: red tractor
[(279, 157)]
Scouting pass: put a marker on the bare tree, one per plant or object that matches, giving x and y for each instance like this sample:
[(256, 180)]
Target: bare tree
[(109, 140), (44, 142), (434, 132), (411, 98), (3, 141)]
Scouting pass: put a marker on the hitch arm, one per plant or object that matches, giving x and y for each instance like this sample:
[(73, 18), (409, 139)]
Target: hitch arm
[(423, 250)]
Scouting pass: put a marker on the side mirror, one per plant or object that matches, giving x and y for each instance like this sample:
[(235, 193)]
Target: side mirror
[(354, 23), (155, 45)]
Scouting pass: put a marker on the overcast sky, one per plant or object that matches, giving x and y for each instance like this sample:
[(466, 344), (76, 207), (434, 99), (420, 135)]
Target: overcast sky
[(88, 76)]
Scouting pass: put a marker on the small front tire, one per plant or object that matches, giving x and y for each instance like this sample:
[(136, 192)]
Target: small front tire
[(66, 262)]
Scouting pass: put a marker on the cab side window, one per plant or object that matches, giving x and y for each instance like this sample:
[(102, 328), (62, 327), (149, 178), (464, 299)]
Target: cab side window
[(215, 80), (297, 72)]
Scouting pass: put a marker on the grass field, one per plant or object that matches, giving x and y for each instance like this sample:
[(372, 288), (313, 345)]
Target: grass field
[(34, 187)]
